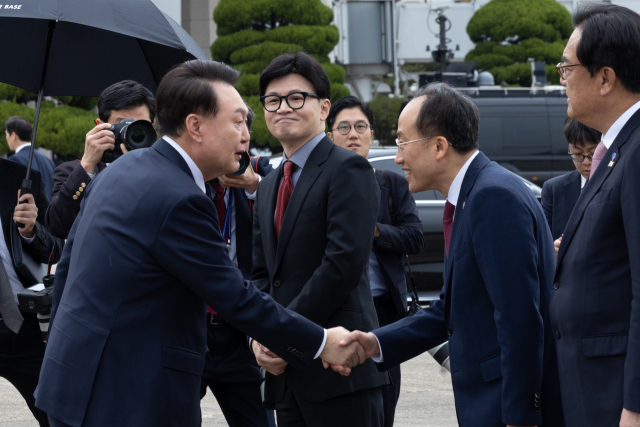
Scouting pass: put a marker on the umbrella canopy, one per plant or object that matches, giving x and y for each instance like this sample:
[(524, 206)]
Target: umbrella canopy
[(93, 44)]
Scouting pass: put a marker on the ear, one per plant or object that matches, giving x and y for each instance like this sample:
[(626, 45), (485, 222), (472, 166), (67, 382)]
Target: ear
[(325, 106), (193, 126), (330, 135), (442, 147), (607, 79), (98, 122)]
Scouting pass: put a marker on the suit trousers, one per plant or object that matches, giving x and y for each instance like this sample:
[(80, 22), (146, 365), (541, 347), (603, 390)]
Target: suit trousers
[(387, 314), (233, 375), (21, 357), (358, 409)]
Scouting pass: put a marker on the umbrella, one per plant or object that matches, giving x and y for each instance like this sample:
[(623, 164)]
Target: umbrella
[(79, 47)]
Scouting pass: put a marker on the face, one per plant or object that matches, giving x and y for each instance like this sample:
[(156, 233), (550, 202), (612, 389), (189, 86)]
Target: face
[(583, 167), (140, 112), (296, 127), (359, 143), (12, 140), (418, 158), (218, 142)]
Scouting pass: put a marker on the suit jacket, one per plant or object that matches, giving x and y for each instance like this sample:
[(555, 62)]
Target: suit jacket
[(69, 179), (128, 331), (396, 240), (11, 176), (319, 265), (41, 163), (559, 196), (595, 305), (493, 308)]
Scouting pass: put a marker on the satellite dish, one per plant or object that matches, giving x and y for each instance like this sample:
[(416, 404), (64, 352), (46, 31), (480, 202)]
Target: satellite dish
[(485, 78)]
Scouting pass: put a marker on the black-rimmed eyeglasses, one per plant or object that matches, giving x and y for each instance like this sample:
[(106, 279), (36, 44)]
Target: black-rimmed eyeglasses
[(580, 157), (294, 100), (345, 128)]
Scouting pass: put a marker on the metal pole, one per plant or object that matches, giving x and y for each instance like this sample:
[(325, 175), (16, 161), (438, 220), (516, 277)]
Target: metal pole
[(442, 20)]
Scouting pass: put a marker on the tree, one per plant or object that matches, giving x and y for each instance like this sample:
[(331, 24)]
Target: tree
[(509, 32), (253, 32)]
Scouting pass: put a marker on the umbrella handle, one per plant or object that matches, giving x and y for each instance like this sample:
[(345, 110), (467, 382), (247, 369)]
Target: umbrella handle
[(26, 189)]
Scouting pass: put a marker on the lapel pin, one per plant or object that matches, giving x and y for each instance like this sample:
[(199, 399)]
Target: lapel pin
[(613, 157), (463, 203)]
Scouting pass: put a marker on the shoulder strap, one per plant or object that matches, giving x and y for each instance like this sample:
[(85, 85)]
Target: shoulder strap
[(387, 185), (254, 163)]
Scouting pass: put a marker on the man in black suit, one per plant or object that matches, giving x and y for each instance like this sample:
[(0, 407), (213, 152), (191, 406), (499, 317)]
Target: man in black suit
[(398, 230), (123, 100), (560, 194), (313, 228), (21, 344), (595, 304), (230, 369), (18, 131)]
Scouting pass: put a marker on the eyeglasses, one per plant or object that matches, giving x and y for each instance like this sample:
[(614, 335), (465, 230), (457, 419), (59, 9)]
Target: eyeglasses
[(295, 101), (562, 69), (400, 143), (579, 157), (345, 128)]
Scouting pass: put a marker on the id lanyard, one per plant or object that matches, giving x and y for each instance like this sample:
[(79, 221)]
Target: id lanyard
[(227, 221)]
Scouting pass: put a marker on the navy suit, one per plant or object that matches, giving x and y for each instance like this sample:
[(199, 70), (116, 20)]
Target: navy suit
[(493, 307), (41, 163), (559, 196), (595, 305), (128, 338)]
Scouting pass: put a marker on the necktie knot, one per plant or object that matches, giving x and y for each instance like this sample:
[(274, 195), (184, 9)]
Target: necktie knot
[(601, 150), (447, 223), (219, 189), (288, 168), (449, 210)]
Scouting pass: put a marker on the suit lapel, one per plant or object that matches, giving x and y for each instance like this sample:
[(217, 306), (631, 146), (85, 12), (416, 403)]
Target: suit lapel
[(164, 148), (310, 173), (594, 184), (267, 205), (384, 197), (571, 192)]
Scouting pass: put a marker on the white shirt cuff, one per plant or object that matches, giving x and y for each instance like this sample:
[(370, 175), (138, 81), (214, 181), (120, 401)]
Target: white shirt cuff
[(324, 342), (377, 358), (31, 240), (252, 196)]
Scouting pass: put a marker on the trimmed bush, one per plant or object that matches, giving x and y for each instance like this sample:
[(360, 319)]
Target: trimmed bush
[(386, 112)]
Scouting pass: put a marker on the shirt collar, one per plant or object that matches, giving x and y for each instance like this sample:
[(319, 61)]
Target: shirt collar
[(195, 171), (300, 157), (456, 185), (25, 145), (583, 181), (615, 129)]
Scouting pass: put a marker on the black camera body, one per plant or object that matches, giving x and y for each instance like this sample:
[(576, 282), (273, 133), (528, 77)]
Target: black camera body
[(245, 161), (39, 299), (133, 134)]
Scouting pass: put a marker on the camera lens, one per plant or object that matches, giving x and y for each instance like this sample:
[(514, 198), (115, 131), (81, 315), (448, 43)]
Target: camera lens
[(139, 134)]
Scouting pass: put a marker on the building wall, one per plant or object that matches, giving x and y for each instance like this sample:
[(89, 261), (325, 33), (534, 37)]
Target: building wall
[(197, 20)]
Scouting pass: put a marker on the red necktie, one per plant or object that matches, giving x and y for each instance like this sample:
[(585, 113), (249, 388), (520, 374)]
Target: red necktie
[(218, 200), (447, 222), (601, 150), (284, 194)]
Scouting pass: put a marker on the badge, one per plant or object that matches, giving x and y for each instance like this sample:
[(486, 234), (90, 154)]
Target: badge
[(613, 157), (463, 203)]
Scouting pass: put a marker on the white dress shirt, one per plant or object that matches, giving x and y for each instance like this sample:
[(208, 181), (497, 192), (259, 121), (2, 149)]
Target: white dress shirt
[(615, 129), (25, 145), (583, 181), (453, 194)]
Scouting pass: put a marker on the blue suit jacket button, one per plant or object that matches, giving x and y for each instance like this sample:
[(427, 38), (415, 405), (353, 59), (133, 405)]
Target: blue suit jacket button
[(450, 331), (556, 285), (276, 283)]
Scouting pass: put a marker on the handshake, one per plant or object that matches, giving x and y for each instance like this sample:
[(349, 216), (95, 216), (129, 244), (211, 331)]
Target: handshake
[(342, 351)]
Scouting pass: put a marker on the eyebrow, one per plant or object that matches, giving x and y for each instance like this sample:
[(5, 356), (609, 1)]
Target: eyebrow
[(564, 59), (241, 111), (290, 92), (357, 121)]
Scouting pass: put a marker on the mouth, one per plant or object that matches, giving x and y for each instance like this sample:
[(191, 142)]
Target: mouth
[(285, 120), (407, 173), (353, 145)]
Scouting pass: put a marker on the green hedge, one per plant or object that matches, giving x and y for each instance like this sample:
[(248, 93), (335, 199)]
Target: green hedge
[(385, 113), (263, 52)]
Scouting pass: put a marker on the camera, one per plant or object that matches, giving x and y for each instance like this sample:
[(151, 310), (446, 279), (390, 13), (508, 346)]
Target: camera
[(133, 134), (245, 161), (441, 355), (39, 299)]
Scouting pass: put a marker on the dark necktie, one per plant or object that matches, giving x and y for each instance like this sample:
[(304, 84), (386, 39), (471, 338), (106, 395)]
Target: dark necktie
[(218, 200), (8, 305), (284, 195), (447, 223), (601, 150)]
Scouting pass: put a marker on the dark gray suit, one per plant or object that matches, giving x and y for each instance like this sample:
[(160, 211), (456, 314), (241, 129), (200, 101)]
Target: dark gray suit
[(319, 269), (559, 196)]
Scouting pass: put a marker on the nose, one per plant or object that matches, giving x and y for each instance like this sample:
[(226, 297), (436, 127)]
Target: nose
[(563, 81), (284, 107), (246, 136), (399, 160)]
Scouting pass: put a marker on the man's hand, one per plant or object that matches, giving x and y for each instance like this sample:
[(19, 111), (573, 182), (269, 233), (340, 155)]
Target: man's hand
[(556, 245), (248, 181), (629, 419), (267, 360), (366, 341), (98, 140), (26, 213), (338, 352)]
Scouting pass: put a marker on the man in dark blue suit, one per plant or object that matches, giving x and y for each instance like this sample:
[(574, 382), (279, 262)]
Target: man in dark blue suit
[(144, 257), (595, 304), (398, 230), (560, 194), (230, 368), (18, 131), (499, 267)]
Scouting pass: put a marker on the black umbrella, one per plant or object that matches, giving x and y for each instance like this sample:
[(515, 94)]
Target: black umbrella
[(79, 47)]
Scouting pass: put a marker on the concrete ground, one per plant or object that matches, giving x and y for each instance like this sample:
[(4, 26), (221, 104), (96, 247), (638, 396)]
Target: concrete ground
[(426, 400)]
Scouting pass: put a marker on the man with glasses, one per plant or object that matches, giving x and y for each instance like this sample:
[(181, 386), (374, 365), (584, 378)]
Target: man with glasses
[(313, 228), (560, 194), (398, 228), (595, 308)]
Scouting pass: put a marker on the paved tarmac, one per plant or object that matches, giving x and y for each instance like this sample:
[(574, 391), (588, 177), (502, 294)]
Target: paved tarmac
[(426, 399)]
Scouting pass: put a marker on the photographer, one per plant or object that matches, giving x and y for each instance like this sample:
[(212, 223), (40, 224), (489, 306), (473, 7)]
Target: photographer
[(230, 369), (21, 345), (123, 100)]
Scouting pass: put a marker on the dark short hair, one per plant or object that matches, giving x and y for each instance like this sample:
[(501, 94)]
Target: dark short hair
[(610, 38), (448, 112), (347, 103), (123, 96), (251, 116), (297, 63), (580, 135), (186, 89), (20, 126)]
